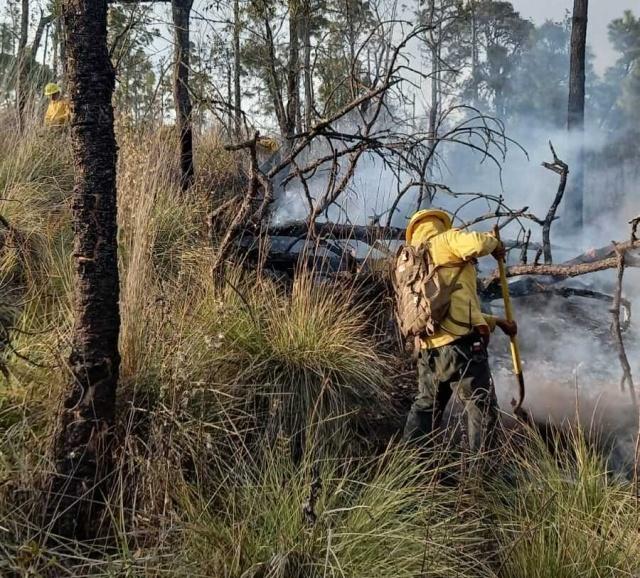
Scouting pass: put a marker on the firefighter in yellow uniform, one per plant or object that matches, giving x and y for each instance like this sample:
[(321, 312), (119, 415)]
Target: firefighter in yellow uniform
[(58, 112), (455, 358)]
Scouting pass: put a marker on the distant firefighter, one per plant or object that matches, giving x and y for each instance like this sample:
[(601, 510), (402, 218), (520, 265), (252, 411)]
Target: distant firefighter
[(58, 112)]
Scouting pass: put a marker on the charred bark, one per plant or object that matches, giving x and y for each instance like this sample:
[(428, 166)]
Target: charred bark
[(83, 438), (181, 10), (575, 116)]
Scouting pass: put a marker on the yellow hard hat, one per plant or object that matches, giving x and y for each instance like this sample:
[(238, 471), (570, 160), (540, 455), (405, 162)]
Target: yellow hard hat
[(271, 144), (51, 88), (427, 214)]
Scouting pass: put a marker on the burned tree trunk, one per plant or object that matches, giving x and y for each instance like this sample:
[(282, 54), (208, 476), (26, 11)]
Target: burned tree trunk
[(83, 439), (181, 10), (575, 117)]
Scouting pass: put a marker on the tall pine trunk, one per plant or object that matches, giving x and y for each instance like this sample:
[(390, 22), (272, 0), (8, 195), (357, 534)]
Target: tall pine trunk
[(237, 94), (83, 441), (22, 63), (474, 56), (575, 117), (308, 76), (181, 10), (293, 71)]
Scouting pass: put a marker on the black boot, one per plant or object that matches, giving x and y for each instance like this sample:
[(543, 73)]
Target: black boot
[(419, 424)]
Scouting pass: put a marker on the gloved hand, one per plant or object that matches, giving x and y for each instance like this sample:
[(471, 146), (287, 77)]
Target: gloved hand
[(509, 328), (499, 252)]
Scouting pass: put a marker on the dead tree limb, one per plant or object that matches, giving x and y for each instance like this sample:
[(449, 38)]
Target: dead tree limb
[(510, 215), (244, 211), (561, 168), (617, 330), (578, 266)]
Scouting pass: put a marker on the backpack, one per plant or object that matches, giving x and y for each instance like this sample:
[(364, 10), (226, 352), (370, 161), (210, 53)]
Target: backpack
[(423, 299)]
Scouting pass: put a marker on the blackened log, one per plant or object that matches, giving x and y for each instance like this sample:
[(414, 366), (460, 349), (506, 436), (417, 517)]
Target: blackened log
[(83, 440), (364, 233)]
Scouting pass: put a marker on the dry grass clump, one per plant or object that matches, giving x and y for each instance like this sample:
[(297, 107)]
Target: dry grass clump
[(565, 514), (334, 516), (220, 173), (36, 176), (287, 358)]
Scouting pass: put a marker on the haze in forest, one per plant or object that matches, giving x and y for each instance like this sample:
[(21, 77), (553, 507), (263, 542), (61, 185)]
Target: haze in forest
[(601, 12)]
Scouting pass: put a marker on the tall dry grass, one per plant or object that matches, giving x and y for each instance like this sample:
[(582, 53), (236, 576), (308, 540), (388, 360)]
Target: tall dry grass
[(565, 514)]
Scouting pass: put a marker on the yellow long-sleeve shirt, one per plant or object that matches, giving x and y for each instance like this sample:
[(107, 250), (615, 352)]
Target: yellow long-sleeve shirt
[(450, 247), (58, 113)]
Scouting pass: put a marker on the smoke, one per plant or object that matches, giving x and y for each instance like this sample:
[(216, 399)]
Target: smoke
[(571, 364)]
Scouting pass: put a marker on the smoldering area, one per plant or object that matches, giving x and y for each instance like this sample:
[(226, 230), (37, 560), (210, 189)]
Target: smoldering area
[(571, 364)]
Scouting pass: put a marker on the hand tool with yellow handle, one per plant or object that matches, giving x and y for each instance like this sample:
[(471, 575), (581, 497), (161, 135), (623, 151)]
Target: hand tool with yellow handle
[(515, 350)]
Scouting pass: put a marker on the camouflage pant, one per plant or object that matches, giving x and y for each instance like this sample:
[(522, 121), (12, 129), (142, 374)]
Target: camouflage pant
[(461, 367)]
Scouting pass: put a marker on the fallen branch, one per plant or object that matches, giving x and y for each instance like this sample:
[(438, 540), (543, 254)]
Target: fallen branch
[(531, 286), (577, 266)]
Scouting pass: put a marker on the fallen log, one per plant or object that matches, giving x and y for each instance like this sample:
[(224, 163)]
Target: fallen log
[(365, 233), (370, 234)]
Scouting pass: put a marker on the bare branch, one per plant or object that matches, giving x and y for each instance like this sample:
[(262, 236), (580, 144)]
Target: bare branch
[(561, 168), (617, 330), (575, 267)]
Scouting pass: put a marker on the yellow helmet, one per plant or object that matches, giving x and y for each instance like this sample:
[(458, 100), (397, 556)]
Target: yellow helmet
[(439, 214), (51, 88), (270, 144)]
